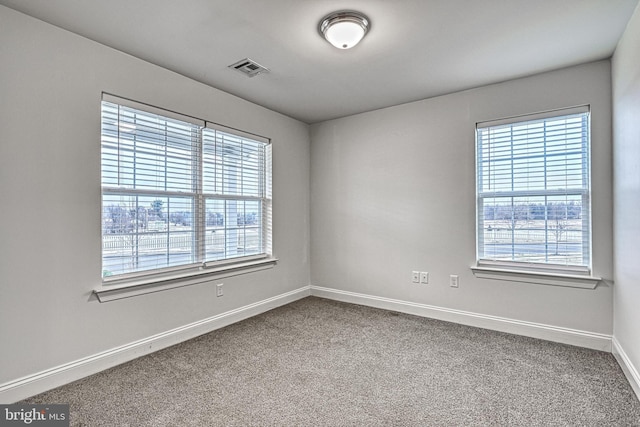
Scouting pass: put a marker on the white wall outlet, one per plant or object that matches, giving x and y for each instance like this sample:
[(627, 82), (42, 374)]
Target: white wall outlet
[(424, 277), (454, 281), (219, 290), (415, 276)]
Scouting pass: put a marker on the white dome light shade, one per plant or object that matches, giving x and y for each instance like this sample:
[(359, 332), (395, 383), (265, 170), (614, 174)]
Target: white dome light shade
[(344, 35), (344, 29)]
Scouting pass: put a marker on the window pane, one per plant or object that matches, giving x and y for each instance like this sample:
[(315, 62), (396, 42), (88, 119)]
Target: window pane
[(234, 229), (146, 232), (533, 191), (533, 229)]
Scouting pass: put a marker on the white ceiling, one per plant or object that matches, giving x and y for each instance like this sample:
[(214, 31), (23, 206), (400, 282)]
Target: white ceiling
[(415, 49)]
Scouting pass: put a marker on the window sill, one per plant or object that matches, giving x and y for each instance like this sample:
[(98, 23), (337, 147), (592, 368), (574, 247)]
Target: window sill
[(148, 285), (538, 278)]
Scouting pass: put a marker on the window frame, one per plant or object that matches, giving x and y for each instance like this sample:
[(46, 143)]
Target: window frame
[(147, 280), (535, 272)]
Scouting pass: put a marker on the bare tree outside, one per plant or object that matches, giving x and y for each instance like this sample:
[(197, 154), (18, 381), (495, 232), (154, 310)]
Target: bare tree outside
[(557, 214), (514, 216)]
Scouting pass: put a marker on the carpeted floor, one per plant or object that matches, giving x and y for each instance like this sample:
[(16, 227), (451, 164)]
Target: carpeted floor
[(318, 362)]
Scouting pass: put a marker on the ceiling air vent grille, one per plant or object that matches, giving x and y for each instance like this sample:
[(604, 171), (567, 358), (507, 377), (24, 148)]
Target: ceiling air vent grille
[(249, 67)]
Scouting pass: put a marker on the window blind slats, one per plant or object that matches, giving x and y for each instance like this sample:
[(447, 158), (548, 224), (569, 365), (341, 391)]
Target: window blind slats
[(235, 165)]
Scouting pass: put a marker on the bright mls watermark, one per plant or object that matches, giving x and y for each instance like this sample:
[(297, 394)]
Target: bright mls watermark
[(34, 415)]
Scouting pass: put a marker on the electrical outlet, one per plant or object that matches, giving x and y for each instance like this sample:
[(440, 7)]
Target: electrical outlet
[(219, 290), (424, 277), (454, 281), (415, 276)]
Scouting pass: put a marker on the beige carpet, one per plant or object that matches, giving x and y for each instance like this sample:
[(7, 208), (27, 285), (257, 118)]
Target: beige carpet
[(323, 363)]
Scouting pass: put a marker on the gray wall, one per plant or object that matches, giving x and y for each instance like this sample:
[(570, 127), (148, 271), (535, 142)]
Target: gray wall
[(50, 88), (626, 131), (393, 191)]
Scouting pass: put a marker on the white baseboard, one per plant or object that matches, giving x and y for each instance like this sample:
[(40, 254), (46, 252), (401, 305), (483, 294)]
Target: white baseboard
[(630, 371), (22, 388), (31, 385), (535, 330)]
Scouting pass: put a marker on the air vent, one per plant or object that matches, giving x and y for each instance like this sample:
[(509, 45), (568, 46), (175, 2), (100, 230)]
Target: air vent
[(249, 67)]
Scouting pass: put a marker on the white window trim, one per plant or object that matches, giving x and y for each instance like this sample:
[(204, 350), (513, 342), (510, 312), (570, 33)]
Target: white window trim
[(149, 281), (584, 281), (543, 274), (126, 288)]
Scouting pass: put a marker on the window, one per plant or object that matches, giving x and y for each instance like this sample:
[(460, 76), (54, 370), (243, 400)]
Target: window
[(179, 193), (533, 191)]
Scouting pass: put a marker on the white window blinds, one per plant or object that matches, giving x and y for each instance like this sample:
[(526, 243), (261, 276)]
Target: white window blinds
[(179, 194), (235, 188), (533, 189)]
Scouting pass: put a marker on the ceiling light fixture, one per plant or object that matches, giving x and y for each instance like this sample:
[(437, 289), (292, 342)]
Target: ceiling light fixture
[(344, 29)]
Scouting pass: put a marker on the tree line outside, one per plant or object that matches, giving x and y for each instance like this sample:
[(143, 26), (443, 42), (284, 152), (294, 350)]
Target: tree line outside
[(137, 237), (517, 223), (123, 219), (517, 212)]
